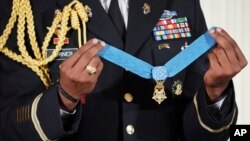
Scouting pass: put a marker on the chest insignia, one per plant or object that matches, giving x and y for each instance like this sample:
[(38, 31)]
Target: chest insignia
[(146, 9), (177, 87), (168, 27)]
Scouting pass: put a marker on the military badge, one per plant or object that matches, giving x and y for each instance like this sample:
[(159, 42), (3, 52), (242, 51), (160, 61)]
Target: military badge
[(164, 45), (146, 8), (177, 87), (168, 15)]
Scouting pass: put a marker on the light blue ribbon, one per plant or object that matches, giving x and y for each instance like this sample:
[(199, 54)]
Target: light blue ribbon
[(171, 68)]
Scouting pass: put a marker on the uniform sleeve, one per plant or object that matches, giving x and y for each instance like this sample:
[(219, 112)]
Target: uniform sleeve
[(197, 121), (37, 118)]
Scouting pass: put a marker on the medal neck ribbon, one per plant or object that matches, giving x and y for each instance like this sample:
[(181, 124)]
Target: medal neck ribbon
[(159, 73)]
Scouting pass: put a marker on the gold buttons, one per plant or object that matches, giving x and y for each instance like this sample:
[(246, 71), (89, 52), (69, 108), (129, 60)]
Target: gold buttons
[(130, 129), (128, 97)]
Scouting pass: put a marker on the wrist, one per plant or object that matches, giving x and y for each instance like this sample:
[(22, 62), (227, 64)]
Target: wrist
[(65, 94), (67, 102), (214, 93)]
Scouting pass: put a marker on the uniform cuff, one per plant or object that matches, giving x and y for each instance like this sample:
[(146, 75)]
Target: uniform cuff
[(206, 118), (46, 116)]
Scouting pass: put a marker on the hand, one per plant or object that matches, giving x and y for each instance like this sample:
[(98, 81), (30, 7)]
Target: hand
[(226, 60), (74, 78)]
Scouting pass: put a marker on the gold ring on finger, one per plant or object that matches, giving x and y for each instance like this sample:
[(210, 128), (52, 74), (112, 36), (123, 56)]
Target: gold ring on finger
[(90, 69)]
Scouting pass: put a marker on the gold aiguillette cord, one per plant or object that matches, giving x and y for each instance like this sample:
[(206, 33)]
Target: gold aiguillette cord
[(22, 16)]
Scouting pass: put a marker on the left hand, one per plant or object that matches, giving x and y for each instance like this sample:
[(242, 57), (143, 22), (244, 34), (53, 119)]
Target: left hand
[(226, 60)]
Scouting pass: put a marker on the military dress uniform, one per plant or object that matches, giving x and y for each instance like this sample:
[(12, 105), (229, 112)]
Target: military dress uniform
[(121, 107)]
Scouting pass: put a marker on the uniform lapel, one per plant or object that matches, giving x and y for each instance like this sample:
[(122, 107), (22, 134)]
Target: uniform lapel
[(140, 25), (101, 25)]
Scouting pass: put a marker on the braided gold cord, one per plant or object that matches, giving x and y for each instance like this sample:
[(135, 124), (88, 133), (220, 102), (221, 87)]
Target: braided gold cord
[(74, 20), (51, 33), (82, 12), (21, 30), (76, 25), (9, 27), (31, 29), (61, 36), (23, 16), (36, 69)]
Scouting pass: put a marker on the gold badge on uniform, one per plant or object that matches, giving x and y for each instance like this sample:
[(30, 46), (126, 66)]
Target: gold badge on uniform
[(146, 8), (177, 87)]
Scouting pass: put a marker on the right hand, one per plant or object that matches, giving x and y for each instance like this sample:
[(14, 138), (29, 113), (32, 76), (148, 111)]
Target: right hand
[(74, 78)]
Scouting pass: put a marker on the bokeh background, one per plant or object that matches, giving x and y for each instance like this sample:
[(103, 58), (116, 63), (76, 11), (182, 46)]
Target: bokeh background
[(234, 17)]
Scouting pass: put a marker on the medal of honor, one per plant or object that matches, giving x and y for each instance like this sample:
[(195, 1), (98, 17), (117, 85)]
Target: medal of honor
[(159, 73), (159, 93)]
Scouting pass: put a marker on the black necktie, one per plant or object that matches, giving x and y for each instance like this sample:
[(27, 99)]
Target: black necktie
[(116, 17)]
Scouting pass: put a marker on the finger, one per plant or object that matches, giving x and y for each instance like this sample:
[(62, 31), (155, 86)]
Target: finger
[(241, 57), (239, 54), (213, 61), (70, 62), (88, 56), (88, 45), (226, 45), (221, 57), (214, 68), (226, 36)]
